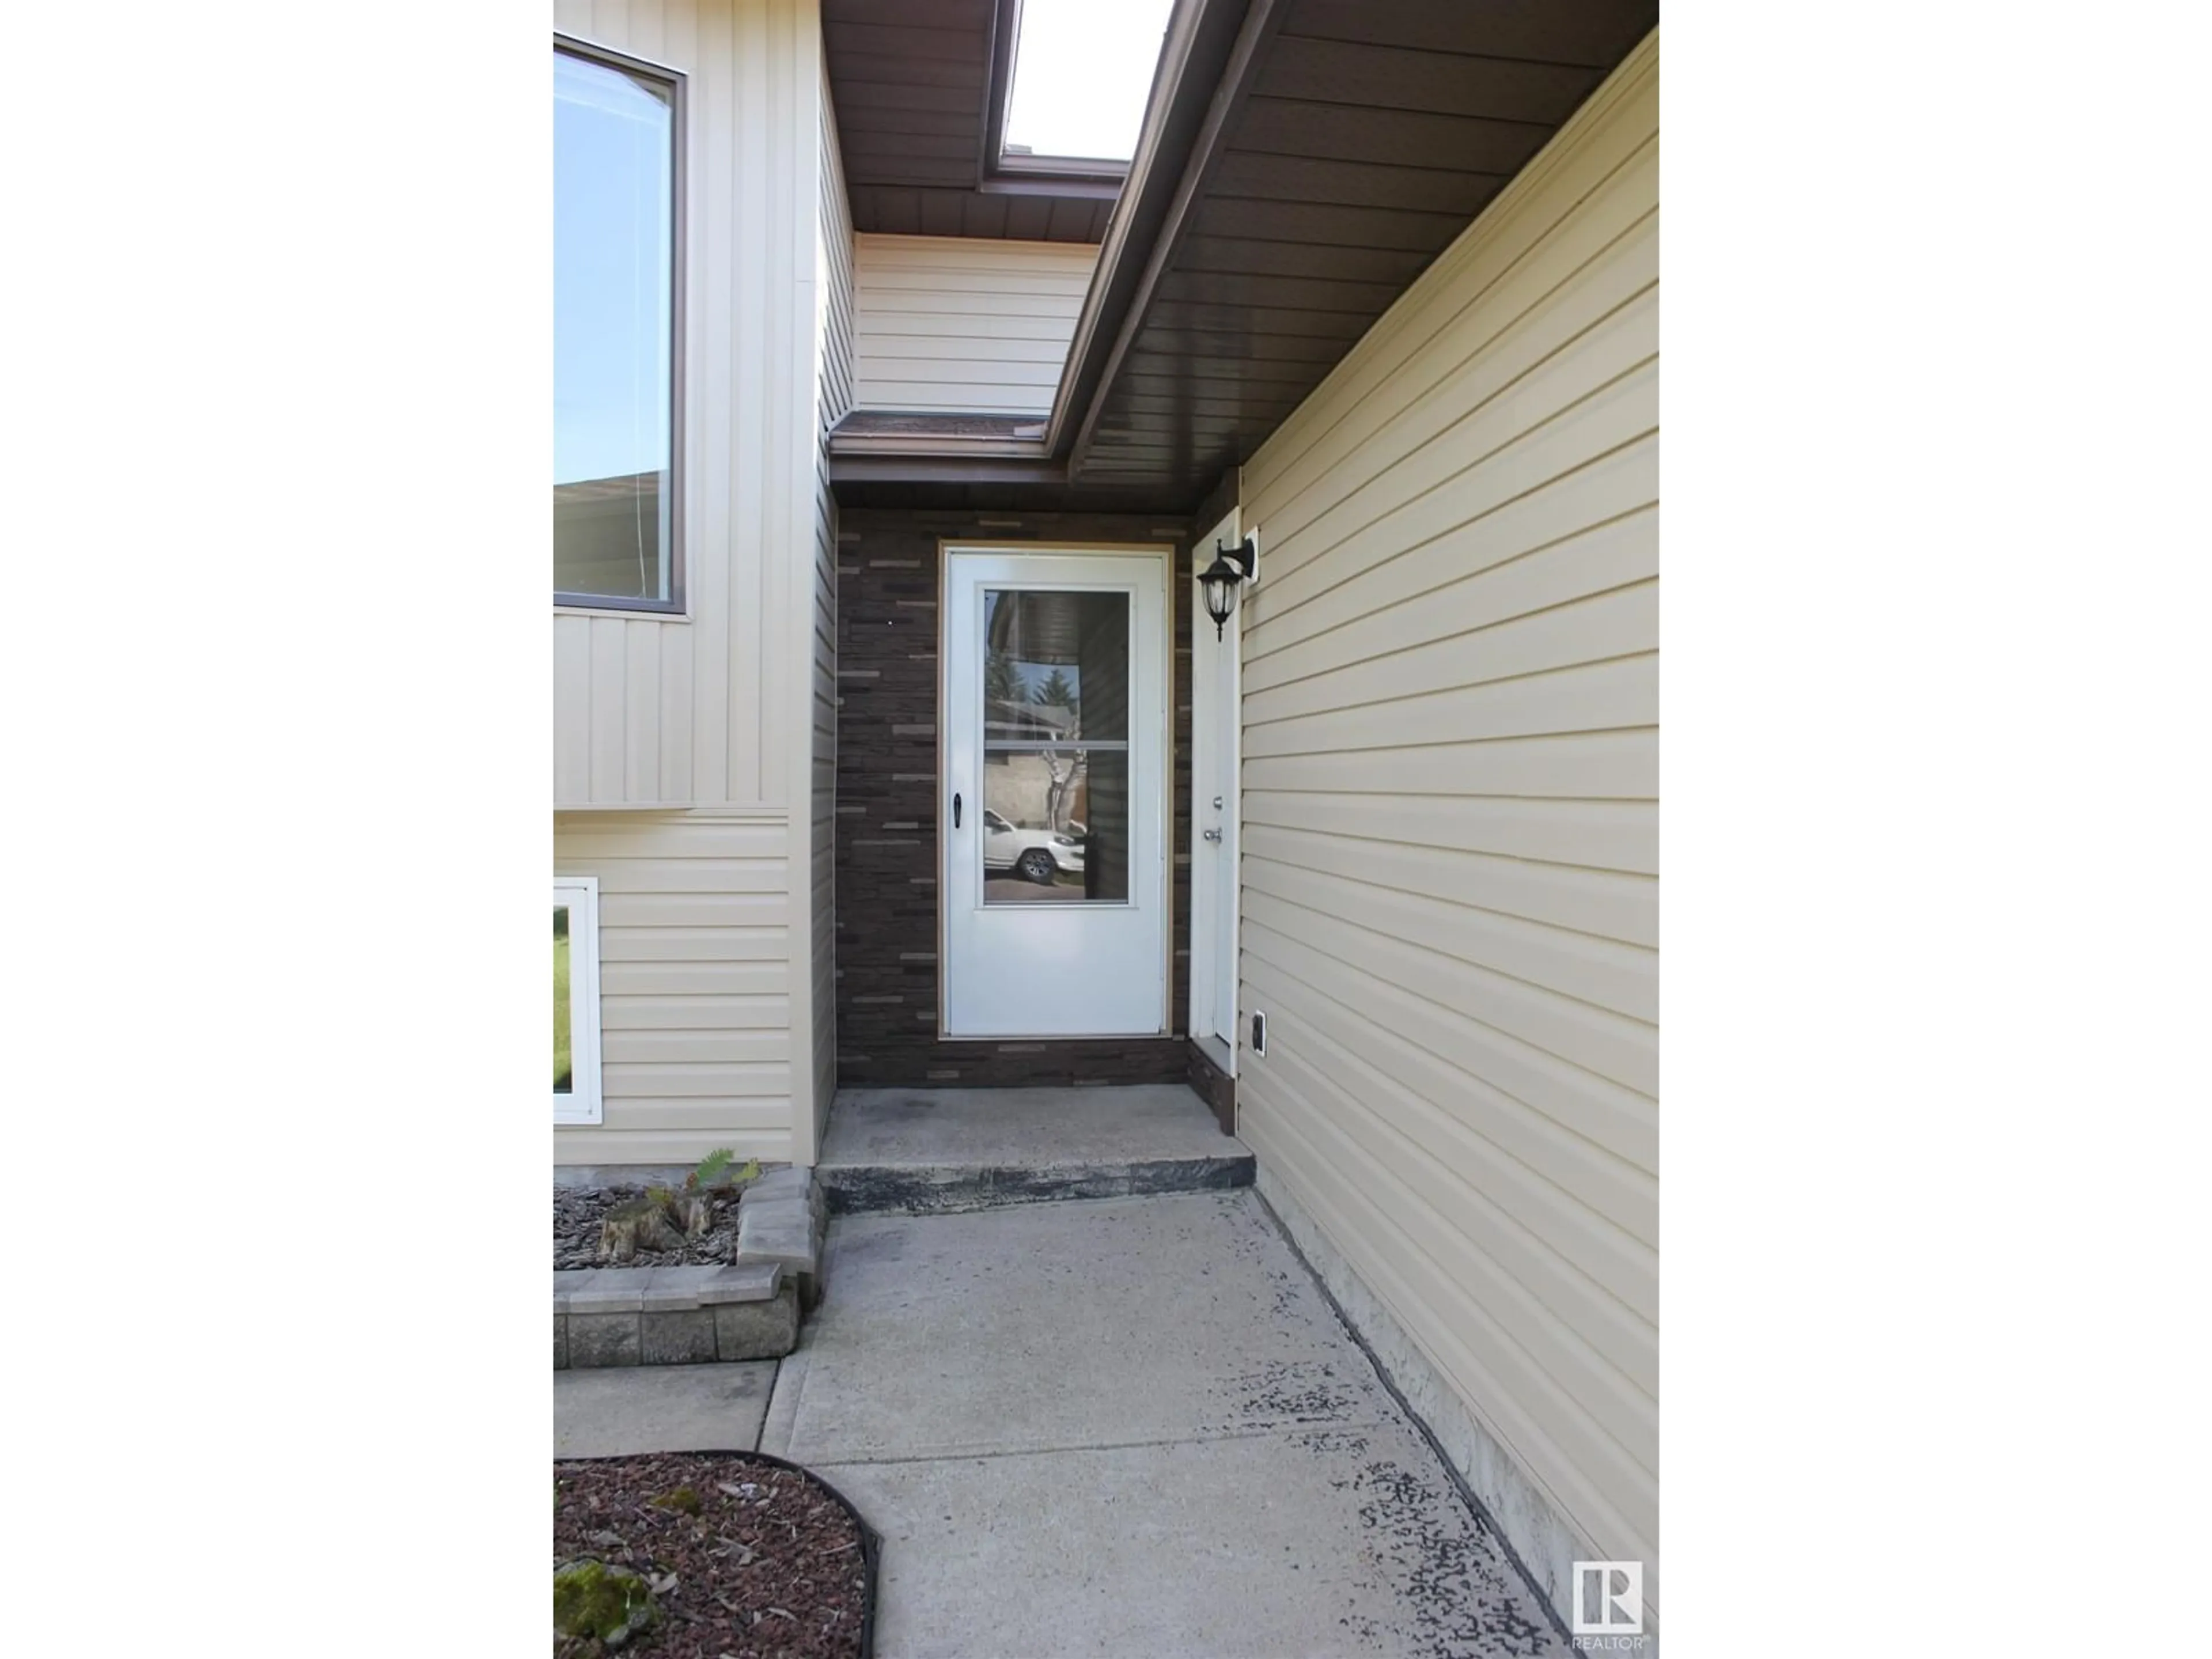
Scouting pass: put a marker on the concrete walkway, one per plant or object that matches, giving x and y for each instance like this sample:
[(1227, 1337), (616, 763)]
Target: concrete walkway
[(618, 1411), (1128, 1426)]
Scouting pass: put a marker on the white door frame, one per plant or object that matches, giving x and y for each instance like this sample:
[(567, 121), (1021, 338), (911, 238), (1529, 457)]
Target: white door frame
[(1033, 564), (1217, 690)]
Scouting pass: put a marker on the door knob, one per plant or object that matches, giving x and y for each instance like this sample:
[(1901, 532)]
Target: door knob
[(1214, 834)]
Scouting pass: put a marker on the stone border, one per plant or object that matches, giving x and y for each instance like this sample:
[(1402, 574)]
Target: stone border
[(691, 1316)]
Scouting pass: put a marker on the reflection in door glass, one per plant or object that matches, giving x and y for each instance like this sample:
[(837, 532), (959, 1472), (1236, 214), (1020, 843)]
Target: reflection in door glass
[(1056, 666), (1055, 747), (1055, 826)]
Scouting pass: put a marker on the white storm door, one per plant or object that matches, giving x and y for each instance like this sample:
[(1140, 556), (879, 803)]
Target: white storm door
[(1054, 803), (1215, 736)]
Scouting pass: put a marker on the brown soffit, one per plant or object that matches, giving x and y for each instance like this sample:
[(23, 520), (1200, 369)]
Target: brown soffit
[(1301, 161), (1372, 132), (919, 89)]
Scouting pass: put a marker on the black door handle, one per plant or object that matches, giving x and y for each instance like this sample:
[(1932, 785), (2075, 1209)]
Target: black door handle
[(956, 812)]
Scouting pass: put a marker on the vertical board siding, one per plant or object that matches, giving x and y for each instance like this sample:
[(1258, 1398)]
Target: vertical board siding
[(710, 977), (691, 710), (695, 970), (835, 269), (950, 325), (833, 331), (1449, 892)]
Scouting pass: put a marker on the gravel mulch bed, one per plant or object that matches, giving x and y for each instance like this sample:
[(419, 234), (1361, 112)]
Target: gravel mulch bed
[(770, 1566), (578, 1212)]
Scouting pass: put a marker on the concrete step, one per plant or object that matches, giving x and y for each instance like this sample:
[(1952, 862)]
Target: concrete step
[(925, 1149)]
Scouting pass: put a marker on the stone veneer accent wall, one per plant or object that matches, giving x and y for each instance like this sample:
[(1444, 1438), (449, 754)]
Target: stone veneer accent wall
[(887, 582)]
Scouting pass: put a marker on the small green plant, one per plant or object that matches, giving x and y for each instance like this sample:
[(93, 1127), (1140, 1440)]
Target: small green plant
[(684, 1500), (715, 1166), (666, 1216), (596, 1602)]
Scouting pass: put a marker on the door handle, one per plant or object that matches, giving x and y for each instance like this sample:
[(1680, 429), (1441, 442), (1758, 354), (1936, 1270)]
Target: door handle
[(1214, 834), (956, 812)]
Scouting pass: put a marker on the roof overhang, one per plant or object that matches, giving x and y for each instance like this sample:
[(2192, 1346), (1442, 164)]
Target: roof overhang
[(1301, 163)]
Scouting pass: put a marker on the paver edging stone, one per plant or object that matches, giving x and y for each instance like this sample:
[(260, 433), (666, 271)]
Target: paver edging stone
[(750, 1308)]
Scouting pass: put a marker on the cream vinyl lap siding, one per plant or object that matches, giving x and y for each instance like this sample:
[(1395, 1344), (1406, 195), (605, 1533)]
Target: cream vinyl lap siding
[(695, 970), (693, 710), (1450, 778), (954, 324)]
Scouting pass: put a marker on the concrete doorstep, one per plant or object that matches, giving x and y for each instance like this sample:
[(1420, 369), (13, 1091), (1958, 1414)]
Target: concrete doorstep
[(944, 1151)]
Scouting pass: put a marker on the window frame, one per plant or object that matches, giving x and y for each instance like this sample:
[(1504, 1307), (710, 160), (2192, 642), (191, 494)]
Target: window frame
[(1098, 178), (678, 602), (584, 1101)]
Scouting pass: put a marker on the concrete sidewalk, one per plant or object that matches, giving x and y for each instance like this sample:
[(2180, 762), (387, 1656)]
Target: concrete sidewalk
[(1129, 1426)]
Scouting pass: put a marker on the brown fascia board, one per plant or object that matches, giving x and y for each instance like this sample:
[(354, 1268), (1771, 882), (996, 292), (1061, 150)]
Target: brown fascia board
[(921, 439), (968, 468), (1202, 35), (1058, 186), (1232, 82), (1005, 18), (1004, 482), (918, 446)]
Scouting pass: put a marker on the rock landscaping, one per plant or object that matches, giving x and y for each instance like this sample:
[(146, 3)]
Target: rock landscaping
[(580, 1215), (732, 1284), (706, 1555), (684, 1223)]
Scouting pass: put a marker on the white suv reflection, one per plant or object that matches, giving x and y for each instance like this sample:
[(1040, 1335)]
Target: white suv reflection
[(1037, 855)]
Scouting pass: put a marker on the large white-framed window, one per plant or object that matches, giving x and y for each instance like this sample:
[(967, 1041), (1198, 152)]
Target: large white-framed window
[(575, 999), (618, 330)]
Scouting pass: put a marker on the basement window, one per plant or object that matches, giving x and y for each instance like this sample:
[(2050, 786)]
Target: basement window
[(575, 999), (1082, 73)]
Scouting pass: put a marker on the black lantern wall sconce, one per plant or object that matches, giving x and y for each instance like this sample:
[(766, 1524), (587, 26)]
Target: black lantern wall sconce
[(1231, 567)]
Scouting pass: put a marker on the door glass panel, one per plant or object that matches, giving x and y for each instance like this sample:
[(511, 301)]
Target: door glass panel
[(1055, 747), (1056, 666), (1056, 826)]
